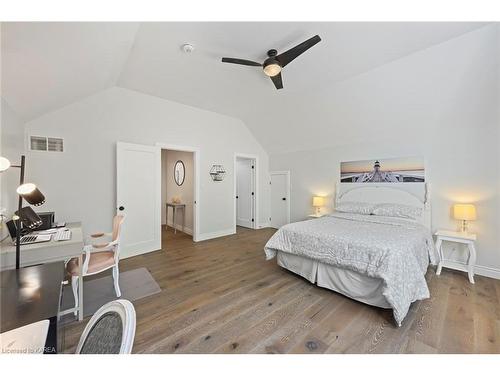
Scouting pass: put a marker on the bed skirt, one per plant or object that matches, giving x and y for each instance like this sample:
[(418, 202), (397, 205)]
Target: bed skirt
[(352, 284)]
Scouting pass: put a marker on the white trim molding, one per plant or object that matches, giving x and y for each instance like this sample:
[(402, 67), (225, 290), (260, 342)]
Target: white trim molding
[(485, 271), (211, 235)]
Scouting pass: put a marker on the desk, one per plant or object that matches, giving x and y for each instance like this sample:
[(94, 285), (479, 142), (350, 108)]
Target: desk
[(29, 295), (29, 339), (174, 210), (47, 252)]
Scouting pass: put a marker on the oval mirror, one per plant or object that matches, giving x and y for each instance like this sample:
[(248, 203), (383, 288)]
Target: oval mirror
[(179, 172)]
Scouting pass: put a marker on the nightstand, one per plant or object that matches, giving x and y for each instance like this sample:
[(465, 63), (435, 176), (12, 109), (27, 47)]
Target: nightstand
[(458, 237), (315, 216)]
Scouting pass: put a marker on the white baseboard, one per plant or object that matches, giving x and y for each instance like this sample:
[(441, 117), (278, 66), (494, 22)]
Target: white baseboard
[(494, 273), (179, 227), (221, 233), (264, 225)]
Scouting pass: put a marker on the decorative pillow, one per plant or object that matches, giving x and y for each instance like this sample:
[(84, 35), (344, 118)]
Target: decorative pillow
[(397, 210), (362, 208)]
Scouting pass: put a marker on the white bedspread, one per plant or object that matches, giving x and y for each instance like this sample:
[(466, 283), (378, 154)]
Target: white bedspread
[(395, 250)]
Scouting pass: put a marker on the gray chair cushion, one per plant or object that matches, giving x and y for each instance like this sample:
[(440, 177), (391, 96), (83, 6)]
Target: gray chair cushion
[(105, 337)]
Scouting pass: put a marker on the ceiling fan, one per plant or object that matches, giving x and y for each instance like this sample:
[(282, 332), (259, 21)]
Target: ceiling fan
[(274, 63)]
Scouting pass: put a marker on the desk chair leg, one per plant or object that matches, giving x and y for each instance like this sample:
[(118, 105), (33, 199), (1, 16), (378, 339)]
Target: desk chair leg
[(74, 286), (80, 287), (116, 276)]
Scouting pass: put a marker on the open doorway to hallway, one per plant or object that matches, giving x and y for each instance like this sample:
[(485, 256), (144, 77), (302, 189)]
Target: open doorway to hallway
[(177, 193), (245, 183)]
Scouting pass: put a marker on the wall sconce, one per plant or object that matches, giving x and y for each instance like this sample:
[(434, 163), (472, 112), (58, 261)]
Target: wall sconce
[(217, 172)]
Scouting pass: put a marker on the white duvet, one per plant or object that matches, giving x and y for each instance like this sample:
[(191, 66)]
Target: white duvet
[(398, 251)]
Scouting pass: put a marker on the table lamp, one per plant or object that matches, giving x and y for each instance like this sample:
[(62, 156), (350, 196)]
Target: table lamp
[(464, 212), (29, 192), (318, 202)]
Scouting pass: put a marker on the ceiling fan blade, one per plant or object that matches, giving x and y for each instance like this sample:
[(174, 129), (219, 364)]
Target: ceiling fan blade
[(278, 82), (240, 61), (288, 56)]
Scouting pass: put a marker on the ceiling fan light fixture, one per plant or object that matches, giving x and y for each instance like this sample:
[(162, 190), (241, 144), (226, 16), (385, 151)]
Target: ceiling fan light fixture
[(272, 69)]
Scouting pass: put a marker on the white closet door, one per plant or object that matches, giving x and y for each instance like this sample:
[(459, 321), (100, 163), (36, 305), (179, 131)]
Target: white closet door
[(244, 193), (280, 198), (138, 196)]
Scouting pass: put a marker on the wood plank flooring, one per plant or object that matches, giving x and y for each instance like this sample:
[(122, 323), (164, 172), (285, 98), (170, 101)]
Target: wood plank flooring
[(222, 296)]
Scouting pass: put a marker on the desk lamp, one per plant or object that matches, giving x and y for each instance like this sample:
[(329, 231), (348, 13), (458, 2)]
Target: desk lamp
[(29, 192)]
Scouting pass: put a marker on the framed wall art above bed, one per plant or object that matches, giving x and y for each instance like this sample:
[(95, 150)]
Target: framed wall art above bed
[(395, 170)]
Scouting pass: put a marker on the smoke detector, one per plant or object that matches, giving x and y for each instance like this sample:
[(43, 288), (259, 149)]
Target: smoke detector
[(187, 48)]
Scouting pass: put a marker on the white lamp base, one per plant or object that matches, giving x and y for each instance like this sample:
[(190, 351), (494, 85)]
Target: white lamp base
[(464, 227)]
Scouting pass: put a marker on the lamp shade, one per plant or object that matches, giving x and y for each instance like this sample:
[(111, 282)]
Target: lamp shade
[(29, 218), (464, 212), (4, 164), (318, 201), (31, 194)]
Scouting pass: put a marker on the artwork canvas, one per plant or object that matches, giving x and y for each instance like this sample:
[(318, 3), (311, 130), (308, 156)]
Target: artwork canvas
[(405, 169)]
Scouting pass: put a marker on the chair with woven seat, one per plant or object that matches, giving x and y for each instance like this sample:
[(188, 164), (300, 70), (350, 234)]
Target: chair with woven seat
[(97, 258), (111, 330)]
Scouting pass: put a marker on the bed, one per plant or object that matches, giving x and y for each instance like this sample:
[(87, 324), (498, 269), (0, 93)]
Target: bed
[(377, 252)]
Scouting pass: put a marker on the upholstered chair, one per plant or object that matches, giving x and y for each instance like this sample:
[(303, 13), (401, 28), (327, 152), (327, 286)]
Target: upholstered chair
[(98, 257)]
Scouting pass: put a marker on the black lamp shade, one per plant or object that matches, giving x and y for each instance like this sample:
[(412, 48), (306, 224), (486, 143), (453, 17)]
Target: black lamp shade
[(31, 194), (29, 218)]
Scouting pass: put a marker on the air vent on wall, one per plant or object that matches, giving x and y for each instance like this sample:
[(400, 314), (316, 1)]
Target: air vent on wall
[(38, 143)]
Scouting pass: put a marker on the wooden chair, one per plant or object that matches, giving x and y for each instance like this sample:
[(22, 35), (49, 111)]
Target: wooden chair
[(99, 257), (111, 330)]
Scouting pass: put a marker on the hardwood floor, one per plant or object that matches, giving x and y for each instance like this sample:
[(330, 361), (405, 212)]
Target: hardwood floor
[(222, 296)]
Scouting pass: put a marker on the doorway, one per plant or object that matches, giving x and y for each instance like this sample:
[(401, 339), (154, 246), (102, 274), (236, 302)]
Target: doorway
[(178, 193), (245, 187), (280, 198)]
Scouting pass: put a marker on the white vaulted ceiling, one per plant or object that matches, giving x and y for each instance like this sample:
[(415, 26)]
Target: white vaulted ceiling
[(48, 65)]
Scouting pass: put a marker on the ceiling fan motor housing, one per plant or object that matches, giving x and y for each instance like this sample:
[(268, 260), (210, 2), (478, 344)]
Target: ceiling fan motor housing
[(272, 53)]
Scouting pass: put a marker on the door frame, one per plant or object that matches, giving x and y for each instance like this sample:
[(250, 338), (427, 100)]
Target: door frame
[(255, 158), (196, 182), (288, 192)]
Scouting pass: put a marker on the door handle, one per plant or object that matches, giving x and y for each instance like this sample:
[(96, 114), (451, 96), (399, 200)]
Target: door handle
[(121, 208), (236, 197), (283, 199)]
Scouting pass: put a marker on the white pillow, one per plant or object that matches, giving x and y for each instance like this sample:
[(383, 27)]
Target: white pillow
[(362, 208), (397, 210)]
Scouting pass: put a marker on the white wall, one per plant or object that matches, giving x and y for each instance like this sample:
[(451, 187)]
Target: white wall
[(170, 189), (441, 103), (79, 184), (12, 147)]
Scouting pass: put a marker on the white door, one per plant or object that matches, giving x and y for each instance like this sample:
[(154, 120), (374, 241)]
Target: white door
[(245, 193), (138, 196), (280, 198)]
